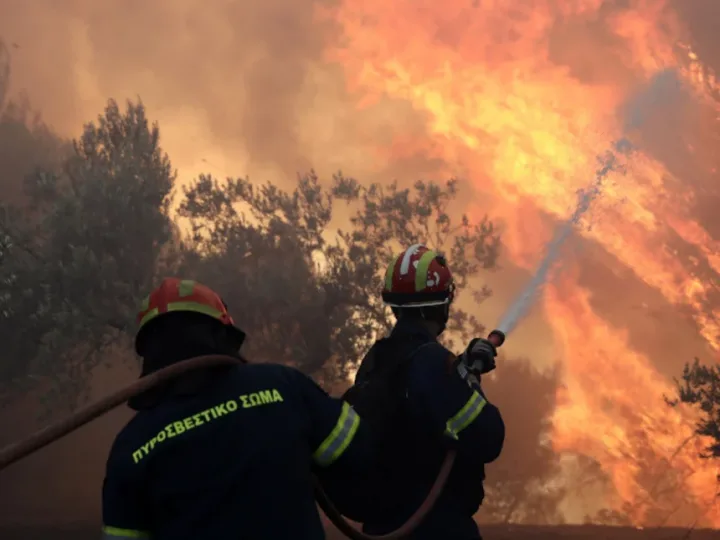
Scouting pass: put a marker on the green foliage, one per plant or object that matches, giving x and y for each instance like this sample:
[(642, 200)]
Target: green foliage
[(80, 251), (260, 258), (700, 387)]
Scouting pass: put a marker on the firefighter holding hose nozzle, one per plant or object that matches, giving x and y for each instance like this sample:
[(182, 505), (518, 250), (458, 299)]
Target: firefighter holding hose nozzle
[(420, 401), (227, 451)]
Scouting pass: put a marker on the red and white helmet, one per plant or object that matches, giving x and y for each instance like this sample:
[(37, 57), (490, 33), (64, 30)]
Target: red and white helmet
[(418, 277)]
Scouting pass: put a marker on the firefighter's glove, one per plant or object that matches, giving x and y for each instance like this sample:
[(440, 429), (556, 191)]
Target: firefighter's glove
[(479, 357)]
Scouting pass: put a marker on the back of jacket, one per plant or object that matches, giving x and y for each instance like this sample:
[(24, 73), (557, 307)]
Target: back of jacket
[(442, 412), (230, 462)]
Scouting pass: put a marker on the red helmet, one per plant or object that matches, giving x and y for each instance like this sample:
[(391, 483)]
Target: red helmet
[(418, 277), (178, 295)]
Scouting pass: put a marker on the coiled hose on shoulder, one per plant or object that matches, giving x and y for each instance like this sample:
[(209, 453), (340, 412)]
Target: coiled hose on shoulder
[(40, 439)]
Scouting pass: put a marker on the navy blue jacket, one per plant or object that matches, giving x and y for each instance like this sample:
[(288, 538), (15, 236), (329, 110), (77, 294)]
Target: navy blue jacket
[(233, 461), (442, 411)]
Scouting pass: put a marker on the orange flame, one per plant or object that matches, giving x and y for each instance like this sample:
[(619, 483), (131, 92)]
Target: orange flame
[(524, 95), (611, 407)]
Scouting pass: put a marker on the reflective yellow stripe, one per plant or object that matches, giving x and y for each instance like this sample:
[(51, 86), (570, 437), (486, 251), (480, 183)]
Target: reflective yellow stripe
[(182, 306), (149, 315), (194, 306), (389, 274), (115, 532), (339, 439), (421, 271), (466, 415), (186, 287)]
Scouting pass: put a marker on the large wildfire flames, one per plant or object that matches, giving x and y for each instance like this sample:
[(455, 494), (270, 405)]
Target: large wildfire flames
[(526, 105)]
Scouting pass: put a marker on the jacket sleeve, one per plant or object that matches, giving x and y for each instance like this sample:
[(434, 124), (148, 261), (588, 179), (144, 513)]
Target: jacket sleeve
[(342, 449), (336, 433), (452, 407), (123, 512)]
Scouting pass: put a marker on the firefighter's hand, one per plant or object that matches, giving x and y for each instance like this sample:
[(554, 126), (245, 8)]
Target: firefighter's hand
[(479, 356)]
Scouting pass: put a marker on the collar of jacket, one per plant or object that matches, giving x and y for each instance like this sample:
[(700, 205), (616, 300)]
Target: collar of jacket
[(189, 383)]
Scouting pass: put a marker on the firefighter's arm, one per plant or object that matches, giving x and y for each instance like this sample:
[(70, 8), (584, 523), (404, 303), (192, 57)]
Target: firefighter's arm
[(123, 513), (336, 433), (454, 407)]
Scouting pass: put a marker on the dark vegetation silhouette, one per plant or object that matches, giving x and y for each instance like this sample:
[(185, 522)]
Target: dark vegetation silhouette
[(88, 226), (700, 386)]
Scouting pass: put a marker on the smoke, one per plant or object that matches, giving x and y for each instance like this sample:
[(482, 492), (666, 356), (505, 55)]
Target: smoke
[(660, 93), (701, 18), (238, 87), (228, 77)]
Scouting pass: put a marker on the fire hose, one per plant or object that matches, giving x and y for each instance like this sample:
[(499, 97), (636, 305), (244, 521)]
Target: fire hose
[(46, 436)]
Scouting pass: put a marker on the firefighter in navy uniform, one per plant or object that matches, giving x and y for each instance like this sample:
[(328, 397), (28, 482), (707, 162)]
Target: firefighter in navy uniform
[(419, 401), (226, 452)]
